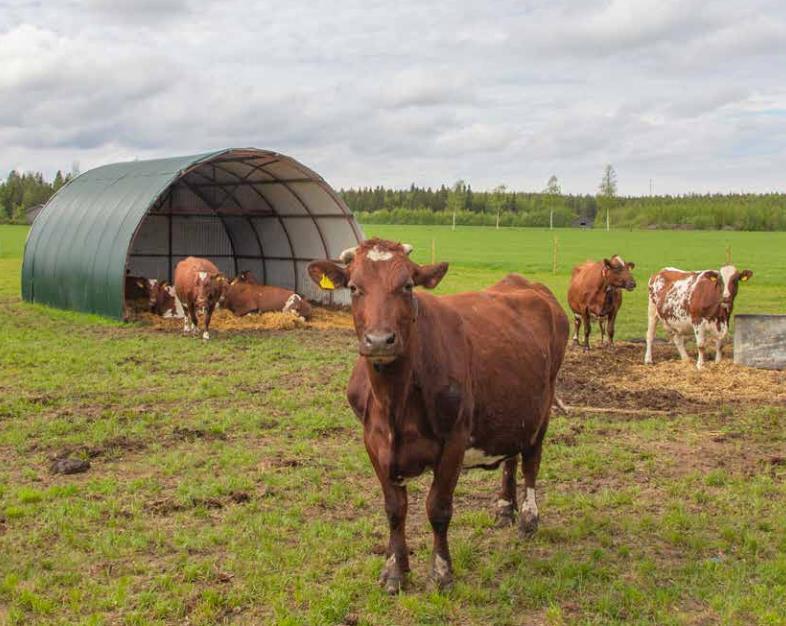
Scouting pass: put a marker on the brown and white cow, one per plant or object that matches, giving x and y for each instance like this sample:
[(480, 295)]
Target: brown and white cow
[(445, 383), (199, 286), (693, 303), (595, 292), (164, 301), (244, 297)]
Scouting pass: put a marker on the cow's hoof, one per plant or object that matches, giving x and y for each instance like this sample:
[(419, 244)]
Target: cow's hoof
[(441, 573), (528, 525), (505, 516), (391, 578), (205, 335)]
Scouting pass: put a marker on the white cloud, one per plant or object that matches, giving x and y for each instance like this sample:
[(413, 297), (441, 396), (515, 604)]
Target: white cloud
[(688, 93)]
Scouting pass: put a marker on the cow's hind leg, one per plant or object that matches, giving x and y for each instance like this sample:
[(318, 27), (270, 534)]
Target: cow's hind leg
[(700, 332), (718, 348), (576, 328), (528, 522), (186, 319), (506, 499), (602, 326)]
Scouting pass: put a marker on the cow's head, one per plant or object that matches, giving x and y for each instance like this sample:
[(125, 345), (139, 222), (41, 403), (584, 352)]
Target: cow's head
[(617, 273), (209, 289), (164, 300), (730, 279), (246, 276), (381, 278), (153, 289)]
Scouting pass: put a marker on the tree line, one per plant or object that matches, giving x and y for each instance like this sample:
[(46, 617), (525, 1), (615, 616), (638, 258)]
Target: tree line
[(22, 191), (462, 205)]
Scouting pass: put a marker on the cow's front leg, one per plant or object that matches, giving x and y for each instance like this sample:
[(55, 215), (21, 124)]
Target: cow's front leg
[(396, 566), (506, 499), (679, 341), (610, 328), (208, 316), (718, 349), (587, 329), (602, 326), (194, 318), (699, 331), (439, 507), (186, 319)]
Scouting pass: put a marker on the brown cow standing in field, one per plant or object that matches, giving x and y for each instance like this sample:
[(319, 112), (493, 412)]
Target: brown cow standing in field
[(465, 380), (199, 286), (245, 296), (693, 303), (595, 292)]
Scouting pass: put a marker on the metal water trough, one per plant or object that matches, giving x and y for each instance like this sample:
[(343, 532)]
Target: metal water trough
[(760, 341)]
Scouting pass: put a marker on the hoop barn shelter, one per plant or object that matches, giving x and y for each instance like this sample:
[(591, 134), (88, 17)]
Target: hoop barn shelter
[(244, 209)]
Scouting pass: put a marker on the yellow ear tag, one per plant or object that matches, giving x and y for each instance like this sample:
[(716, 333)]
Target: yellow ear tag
[(713, 278), (326, 283), (745, 277)]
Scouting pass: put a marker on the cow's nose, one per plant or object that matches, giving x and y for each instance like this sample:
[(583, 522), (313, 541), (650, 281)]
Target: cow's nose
[(381, 342)]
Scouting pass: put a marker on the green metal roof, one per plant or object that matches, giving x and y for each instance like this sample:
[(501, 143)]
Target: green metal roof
[(76, 250)]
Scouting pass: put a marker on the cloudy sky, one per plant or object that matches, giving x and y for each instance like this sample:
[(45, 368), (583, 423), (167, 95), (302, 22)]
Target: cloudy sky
[(689, 94)]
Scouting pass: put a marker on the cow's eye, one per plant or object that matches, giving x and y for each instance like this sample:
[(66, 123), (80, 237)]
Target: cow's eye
[(408, 287), (353, 289)]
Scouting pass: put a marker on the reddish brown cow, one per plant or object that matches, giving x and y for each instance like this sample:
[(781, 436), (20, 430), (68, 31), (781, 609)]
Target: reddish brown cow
[(693, 303), (595, 291), (244, 297), (199, 286), (465, 380)]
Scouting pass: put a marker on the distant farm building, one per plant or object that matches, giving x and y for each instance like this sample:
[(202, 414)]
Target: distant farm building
[(245, 209)]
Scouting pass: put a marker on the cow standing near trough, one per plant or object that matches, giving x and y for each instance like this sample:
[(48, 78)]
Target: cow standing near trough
[(693, 303), (464, 380), (595, 291), (199, 286), (246, 296)]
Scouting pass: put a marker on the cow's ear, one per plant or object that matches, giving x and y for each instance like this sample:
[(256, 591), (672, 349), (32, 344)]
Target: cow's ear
[(746, 274), (712, 276), (428, 276), (631, 266), (607, 263), (327, 275)]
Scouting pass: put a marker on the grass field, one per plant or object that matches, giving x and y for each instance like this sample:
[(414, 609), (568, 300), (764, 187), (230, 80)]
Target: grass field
[(480, 256), (229, 483)]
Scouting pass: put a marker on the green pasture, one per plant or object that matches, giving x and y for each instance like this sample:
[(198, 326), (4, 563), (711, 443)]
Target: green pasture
[(229, 483), (480, 256)]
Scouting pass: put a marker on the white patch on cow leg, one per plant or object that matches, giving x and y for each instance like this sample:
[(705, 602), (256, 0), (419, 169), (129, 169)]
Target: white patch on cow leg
[(503, 504), (179, 312), (441, 568), (718, 349), (530, 507), (700, 337), (378, 254), (652, 325), (205, 335)]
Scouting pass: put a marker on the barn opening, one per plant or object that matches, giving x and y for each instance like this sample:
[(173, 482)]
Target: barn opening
[(244, 209)]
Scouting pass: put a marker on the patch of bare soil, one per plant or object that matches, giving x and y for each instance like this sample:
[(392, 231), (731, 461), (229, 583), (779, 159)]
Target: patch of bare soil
[(618, 378), (322, 318)]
